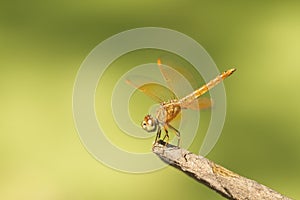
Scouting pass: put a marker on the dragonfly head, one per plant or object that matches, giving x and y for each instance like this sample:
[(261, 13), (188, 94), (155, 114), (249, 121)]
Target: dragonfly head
[(149, 124)]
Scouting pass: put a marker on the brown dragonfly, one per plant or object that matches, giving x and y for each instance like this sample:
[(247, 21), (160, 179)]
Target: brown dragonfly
[(169, 110)]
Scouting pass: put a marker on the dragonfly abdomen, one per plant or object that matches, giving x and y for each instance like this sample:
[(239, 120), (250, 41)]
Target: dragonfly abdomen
[(197, 93), (213, 83)]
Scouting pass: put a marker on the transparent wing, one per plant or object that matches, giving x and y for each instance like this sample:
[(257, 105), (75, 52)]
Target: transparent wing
[(175, 78), (155, 91), (198, 104)]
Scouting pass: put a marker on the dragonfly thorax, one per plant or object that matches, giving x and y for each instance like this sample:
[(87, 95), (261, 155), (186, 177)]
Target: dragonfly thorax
[(149, 124), (168, 111)]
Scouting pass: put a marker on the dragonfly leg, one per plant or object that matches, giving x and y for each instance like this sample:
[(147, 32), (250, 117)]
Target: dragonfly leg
[(176, 132), (166, 135), (157, 134)]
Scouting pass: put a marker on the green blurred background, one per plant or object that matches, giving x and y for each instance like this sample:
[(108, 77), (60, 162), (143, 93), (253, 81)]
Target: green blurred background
[(42, 45)]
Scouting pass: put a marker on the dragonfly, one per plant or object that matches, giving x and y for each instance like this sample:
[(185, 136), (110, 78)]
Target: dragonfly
[(169, 110)]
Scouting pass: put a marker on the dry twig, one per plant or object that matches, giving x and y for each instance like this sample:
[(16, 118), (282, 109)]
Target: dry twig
[(216, 177)]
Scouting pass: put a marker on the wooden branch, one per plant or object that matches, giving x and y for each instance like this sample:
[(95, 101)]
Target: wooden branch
[(216, 177)]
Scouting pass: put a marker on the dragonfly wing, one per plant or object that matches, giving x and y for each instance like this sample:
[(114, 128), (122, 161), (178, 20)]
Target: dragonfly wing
[(155, 91), (174, 79), (198, 104)]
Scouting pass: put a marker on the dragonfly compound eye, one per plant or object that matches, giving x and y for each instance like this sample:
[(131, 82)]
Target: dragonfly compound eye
[(144, 124), (148, 124)]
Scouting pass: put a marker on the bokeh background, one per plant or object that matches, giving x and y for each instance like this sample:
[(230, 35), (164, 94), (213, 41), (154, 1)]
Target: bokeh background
[(43, 43)]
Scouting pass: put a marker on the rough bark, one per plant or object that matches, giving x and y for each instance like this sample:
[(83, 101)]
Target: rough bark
[(216, 177)]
